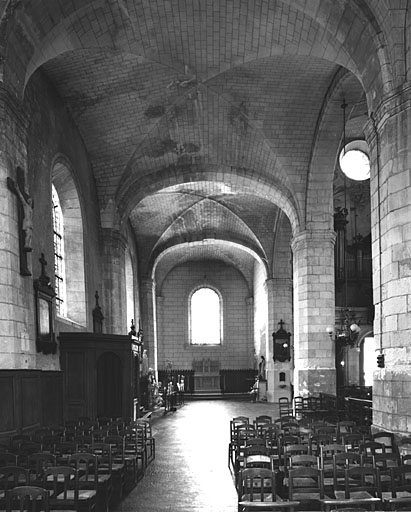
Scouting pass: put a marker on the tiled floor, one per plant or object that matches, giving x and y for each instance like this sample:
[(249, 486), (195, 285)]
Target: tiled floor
[(190, 472)]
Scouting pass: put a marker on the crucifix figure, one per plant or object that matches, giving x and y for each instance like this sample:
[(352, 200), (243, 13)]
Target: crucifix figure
[(25, 218)]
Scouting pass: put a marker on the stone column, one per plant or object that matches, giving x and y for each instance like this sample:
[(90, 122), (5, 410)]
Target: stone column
[(314, 310), (160, 333), (250, 330), (149, 318), (280, 307), (389, 139), (114, 303)]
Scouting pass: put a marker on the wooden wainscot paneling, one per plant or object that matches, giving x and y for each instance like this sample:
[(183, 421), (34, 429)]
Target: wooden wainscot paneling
[(29, 399), (7, 408), (31, 413), (52, 393)]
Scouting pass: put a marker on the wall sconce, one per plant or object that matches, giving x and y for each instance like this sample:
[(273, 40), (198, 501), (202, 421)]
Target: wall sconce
[(348, 333), (281, 344)]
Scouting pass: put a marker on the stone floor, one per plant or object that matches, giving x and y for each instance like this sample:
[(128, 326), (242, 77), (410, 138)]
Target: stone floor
[(190, 471)]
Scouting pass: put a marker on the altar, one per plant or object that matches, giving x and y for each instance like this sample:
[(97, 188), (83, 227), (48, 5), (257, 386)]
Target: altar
[(206, 375)]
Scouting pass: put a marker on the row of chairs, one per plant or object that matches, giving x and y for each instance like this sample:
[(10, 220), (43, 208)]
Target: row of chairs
[(107, 457), (359, 486), (253, 450)]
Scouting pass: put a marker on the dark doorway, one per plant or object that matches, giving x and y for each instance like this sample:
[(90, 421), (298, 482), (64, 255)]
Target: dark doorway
[(109, 386)]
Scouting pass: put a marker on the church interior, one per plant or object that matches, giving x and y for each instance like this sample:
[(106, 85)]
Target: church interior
[(210, 196)]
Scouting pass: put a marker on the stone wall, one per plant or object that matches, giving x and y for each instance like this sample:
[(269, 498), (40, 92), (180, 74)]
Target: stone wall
[(39, 131), (236, 351)]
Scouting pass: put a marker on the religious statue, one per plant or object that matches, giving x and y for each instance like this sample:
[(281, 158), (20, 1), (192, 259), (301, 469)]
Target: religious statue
[(261, 369), (144, 364), (25, 218), (26, 202)]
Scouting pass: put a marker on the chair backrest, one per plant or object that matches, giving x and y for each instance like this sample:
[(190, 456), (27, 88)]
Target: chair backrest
[(8, 459), (285, 406), (87, 463), (28, 499), (103, 453), (369, 448), (63, 482), (245, 432), (256, 441), (257, 484), (400, 481), (342, 461), (317, 440), (305, 483), (387, 439), (385, 461), (241, 419), (345, 427), (256, 449), (352, 441), (13, 476), (362, 478), (304, 460), (39, 461)]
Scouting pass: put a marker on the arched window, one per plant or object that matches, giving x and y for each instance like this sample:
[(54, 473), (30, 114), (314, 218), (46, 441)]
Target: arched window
[(68, 244), (59, 262), (205, 317)]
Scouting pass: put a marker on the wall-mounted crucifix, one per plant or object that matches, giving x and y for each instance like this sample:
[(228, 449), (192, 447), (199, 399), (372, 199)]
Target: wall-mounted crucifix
[(25, 218)]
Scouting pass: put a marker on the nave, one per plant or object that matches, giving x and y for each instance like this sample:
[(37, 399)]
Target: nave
[(190, 472)]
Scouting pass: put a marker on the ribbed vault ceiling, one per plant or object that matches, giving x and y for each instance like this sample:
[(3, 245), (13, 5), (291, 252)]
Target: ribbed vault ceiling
[(157, 87)]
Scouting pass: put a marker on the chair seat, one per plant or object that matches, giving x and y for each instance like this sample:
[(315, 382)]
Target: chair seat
[(101, 478), (267, 502), (402, 496), (307, 496), (83, 494), (356, 496)]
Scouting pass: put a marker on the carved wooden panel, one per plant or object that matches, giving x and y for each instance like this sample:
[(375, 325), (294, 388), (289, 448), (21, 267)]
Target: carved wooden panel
[(31, 406), (7, 405)]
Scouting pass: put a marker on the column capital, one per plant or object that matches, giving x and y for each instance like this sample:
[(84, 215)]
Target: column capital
[(304, 239), (390, 105)]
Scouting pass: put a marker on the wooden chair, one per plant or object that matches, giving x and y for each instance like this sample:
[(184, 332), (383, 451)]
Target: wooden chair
[(353, 441), (384, 462), (362, 488), (306, 460), (398, 493), (63, 483), (344, 428), (305, 485), (341, 462), (235, 423), (10, 477), (118, 464), (8, 459), (37, 463), (285, 406), (291, 450), (326, 459), (257, 490), (298, 407), (27, 498), (388, 440), (86, 465), (63, 450), (151, 441)]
